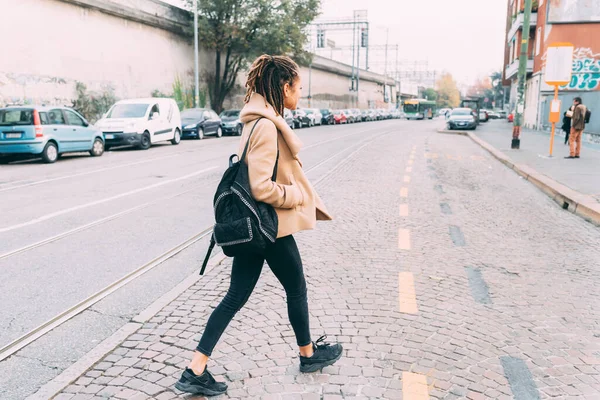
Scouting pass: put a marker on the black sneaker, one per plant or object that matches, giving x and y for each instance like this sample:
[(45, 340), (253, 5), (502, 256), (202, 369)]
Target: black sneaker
[(324, 354), (203, 384), (576, 156), (569, 157)]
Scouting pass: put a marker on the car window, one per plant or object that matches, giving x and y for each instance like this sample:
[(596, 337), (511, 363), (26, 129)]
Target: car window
[(153, 110), (44, 118), (74, 119), (16, 117), (207, 115), (56, 117), (214, 115)]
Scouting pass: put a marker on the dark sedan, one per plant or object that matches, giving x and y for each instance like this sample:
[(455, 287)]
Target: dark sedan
[(200, 122), (327, 118), (230, 122), (301, 119), (461, 118)]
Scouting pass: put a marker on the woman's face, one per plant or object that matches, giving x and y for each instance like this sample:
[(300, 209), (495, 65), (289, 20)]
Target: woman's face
[(292, 93)]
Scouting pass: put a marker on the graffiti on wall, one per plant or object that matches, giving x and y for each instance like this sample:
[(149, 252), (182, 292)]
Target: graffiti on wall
[(586, 70)]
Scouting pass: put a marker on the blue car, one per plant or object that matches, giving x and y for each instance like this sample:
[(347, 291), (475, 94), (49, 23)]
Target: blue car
[(47, 132)]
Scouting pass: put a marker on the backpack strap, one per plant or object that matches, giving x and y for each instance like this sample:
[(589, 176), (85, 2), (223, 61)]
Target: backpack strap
[(210, 249), (274, 175)]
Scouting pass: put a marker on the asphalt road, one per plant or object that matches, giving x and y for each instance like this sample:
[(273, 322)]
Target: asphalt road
[(69, 229)]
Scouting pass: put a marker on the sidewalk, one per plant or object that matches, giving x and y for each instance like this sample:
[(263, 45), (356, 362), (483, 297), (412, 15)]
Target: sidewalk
[(581, 175), (435, 276)]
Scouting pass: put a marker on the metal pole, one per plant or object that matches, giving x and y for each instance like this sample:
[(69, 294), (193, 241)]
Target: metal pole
[(387, 32), (310, 71), (516, 138), (196, 72), (353, 45), (358, 72), (367, 55), (553, 123)]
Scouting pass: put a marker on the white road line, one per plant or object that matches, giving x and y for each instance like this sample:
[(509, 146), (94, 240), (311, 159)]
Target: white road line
[(95, 203)]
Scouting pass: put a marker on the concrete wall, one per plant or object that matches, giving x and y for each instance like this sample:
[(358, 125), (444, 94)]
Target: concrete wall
[(133, 47), (67, 42)]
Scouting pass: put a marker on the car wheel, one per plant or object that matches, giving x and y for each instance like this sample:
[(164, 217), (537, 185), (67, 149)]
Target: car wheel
[(97, 148), (177, 137), (200, 134), (145, 141), (50, 153), (240, 128), (219, 132)]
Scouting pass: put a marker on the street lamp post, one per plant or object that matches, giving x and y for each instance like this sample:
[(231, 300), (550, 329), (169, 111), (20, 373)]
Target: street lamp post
[(518, 121), (196, 73)]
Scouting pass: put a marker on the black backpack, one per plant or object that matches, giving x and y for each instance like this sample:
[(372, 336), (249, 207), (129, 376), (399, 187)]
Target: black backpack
[(243, 225), (588, 115)]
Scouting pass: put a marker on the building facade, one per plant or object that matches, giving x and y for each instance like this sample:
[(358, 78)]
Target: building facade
[(554, 21)]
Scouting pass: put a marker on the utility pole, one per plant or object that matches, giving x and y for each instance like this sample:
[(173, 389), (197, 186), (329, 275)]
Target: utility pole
[(196, 72), (353, 45), (358, 69), (516, 138), (312, 53)]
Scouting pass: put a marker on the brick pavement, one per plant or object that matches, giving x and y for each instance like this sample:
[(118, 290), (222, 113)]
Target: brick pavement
[(581, 175), (477, 232)]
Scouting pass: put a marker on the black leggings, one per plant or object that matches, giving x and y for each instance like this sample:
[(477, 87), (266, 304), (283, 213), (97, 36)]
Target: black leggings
[(284, 260)]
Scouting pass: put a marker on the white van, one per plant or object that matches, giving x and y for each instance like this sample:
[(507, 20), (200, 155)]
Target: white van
[(141, 123)]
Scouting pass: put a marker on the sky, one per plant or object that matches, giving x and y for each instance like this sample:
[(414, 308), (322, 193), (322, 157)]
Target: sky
[(463, 37)]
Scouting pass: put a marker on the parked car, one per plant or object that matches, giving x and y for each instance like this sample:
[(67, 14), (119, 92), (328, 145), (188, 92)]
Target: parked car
[(201, 122), (493, 115), (365, 116), (47, 132), (356, 114), (300, 118), (231, 123), (461, 118), (372, 115), (484, 115), (339, 117), (349, 116), (289, 118), (503, 114), (315, 116), (141, 123), (327, 116)]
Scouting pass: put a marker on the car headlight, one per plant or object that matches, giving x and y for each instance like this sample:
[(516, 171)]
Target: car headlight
[(190, 126)]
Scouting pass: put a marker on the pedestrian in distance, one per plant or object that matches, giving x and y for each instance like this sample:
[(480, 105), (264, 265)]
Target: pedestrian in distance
[(577, 126), (273, 84), (566, 126)]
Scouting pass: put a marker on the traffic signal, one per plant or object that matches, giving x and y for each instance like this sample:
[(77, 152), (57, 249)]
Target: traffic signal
[(320, 39), (364, 38)]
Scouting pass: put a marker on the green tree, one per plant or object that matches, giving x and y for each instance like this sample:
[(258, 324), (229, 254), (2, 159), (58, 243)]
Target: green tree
[(240, 30), (430, 94), (447, 91)]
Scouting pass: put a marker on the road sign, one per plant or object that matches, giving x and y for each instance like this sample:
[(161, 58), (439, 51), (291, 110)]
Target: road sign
[(559, 64)]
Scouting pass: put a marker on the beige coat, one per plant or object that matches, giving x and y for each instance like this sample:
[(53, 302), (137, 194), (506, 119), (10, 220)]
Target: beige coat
[(297, 204)]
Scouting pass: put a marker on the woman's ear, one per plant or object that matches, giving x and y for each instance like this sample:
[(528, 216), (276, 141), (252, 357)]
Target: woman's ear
[(286, 90)]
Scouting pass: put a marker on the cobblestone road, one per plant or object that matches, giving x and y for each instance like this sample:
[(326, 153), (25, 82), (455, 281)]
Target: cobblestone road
[(444, 275)]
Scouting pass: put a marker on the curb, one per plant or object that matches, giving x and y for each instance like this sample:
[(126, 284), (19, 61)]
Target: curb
[(72, 373), (448, 132), (579, 204)]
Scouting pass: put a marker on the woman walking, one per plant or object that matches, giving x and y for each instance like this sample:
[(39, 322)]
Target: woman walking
[(273, 84), (566, 126)]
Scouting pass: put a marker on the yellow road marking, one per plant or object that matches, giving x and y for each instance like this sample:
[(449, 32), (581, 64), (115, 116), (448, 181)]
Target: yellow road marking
[(431, 155), (406, 179), (414, 386), (403, 239), (410, 162), (451, 157), (408, 170), (478, 158), (404, 192), (404, 210), (407, 298)]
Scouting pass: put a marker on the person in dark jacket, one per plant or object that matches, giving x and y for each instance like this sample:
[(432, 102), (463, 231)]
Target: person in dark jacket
[(566, 126), (577, 127)]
